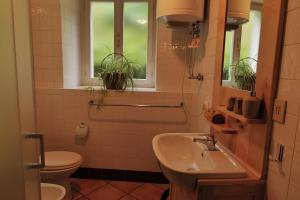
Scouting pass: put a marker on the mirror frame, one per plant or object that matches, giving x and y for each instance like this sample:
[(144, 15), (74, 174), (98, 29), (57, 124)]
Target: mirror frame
[(267, 75)]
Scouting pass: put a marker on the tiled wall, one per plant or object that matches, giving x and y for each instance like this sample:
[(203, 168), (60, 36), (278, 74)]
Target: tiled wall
[(120, 138), (47, 43), (284, 179), (203, 91), (171, 70)]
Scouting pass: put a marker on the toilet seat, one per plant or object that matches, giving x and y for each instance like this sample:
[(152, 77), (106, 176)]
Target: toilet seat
[(60, 160)]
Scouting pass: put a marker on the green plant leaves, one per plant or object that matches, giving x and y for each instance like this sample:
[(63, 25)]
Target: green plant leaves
[(244, 75), (116, 71)]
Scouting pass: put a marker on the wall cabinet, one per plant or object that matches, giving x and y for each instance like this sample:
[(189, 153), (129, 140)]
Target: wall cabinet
[(220, 191)]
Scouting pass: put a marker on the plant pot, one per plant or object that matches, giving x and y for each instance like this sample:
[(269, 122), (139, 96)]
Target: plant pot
[(245, 83), (114, 81)]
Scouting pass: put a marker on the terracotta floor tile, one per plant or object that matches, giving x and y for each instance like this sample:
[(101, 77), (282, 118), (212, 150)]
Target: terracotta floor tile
[(106, 192), (128, 197), (148, 192), (127, 187), (75, 195), (162, 186), (86, 186)]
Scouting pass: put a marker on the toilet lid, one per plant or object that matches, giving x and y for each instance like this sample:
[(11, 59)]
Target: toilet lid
[(55, 160)]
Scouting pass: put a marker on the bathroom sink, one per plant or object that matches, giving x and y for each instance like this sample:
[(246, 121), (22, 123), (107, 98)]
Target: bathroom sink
[(183, 161)]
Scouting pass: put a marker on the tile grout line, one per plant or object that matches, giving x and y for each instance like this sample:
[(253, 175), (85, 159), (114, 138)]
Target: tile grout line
[(160, 187), (123, 196), (292, 9), (86, 195), (293, 155), (126, 193), (130, 194)]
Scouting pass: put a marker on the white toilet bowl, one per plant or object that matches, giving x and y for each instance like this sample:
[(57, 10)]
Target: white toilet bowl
[(52, 192), (59, 165)]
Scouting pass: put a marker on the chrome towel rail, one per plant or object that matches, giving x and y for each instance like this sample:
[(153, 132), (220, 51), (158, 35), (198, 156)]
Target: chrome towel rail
[(93, 103)]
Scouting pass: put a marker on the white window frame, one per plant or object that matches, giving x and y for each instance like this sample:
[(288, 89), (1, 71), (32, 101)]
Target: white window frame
[(86, 38)]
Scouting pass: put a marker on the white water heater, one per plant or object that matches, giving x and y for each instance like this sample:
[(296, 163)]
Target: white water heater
[(238, 11), (180, 11)]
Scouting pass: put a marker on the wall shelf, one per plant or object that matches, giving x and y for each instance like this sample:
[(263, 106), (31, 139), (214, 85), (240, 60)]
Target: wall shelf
[(238, 117), (224, 128), (221, 128)]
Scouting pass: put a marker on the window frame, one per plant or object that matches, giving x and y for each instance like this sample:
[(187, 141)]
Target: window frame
[(86, 41)]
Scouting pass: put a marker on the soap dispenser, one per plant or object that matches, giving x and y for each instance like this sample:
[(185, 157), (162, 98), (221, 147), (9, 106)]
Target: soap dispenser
[(251, 106)]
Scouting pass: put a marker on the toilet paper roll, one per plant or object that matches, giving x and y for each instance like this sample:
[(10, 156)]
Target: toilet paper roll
[(82, 131)]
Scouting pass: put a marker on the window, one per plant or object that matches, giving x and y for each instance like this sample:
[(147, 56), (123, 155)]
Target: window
[(251, 36), (228, 55), (121, 26), (242, 43)]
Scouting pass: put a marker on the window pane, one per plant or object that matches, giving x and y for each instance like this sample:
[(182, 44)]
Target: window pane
[(251, 36), (228, 50), (135, 36), (102, 33)]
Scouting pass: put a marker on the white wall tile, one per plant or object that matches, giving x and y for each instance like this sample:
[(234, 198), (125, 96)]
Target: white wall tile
[(295, 173), (292, 30), (277, 187), (286, 133), (285, 176), (289, 90), (290, 62), (294, 193), (113, 142), (293, 4)]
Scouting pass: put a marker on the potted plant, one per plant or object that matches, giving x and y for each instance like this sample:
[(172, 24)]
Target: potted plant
[(116, 71), (244, 74)]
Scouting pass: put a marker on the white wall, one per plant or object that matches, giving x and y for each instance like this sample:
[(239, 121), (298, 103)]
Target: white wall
[(284, 179), (120, 138), (203, 91), (47, 43)]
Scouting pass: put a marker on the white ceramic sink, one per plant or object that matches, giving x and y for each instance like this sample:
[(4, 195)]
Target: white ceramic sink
[(183, 161)]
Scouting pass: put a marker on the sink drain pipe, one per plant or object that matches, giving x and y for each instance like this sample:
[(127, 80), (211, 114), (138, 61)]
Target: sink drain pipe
[(165, 195)]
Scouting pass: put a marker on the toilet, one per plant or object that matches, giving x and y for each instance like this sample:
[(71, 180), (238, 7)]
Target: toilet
[(59, 166)]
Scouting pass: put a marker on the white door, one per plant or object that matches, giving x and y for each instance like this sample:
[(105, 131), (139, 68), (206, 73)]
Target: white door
[(17, 181)]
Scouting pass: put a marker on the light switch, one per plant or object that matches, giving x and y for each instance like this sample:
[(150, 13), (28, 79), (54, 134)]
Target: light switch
[(279, 111)]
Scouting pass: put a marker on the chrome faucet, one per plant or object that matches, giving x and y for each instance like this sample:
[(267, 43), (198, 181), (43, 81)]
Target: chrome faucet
[(208, 140)]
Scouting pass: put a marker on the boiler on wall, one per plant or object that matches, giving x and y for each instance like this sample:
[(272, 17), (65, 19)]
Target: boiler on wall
[(238, 12), (174, 12)]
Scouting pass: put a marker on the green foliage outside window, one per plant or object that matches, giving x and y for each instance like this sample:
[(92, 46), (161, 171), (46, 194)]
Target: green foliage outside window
[(135, 33)]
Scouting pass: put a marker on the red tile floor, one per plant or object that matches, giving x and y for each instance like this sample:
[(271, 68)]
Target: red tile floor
[(87, 189)]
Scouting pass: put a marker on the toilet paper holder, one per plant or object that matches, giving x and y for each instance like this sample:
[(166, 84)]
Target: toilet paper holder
[(82, 131)]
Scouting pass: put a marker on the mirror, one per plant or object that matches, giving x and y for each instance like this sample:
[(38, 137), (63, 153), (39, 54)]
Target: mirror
[(241, 45)]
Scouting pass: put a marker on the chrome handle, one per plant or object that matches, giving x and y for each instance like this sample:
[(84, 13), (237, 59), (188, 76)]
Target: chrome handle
[(39, 137)]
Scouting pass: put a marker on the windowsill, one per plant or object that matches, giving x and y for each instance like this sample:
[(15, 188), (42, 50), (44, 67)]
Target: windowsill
[(227, 83), (135, 89), (128, 90)]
